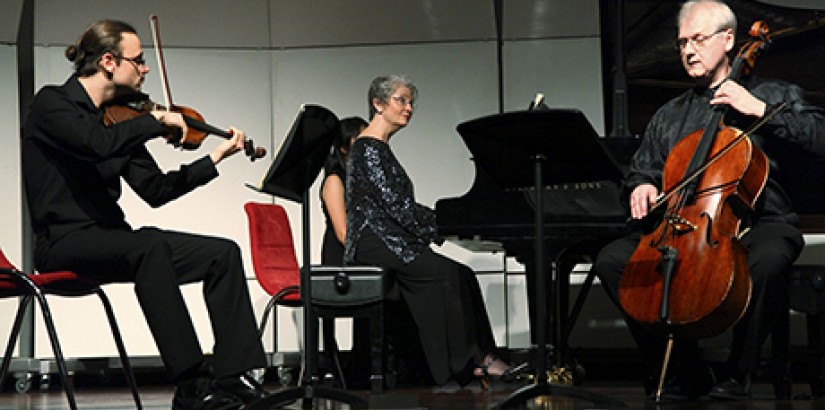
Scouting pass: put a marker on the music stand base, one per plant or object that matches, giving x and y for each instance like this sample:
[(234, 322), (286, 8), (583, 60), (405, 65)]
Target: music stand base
[(308, 394), (521, 396)]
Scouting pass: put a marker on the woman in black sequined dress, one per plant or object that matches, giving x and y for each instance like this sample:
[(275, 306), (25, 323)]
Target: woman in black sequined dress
[(386, 227)]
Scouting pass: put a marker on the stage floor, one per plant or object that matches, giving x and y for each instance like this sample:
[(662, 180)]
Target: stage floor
[(159, 396)]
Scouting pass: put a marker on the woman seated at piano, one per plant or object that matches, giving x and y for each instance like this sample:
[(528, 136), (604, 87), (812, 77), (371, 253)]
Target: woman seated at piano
[(333, 204), (387, 228), (333, 200)]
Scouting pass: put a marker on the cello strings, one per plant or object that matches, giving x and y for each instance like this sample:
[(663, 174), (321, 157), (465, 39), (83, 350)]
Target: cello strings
[(771, 112)]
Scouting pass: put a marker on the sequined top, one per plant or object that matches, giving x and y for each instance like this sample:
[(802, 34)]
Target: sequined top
[(380, 197)]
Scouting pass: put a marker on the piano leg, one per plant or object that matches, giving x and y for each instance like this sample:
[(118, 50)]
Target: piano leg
[(559, 380), (562, 319), (556, 306)]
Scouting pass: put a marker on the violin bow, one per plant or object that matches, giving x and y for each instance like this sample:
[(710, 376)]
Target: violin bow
[(164, 81)]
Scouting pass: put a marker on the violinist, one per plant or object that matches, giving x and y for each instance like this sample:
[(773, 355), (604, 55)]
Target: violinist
[(73, 165), (706, 38)]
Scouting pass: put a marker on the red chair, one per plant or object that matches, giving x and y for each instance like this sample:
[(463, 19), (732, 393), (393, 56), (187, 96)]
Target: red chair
[(14, 283), (273, 258), (276, 269)]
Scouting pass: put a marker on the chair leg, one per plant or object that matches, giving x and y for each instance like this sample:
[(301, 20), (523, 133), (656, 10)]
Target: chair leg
[(815, 353), (309, 368), (15, 333), (780, 350), (331, 350), (265, 318), (58, 353), (121, 348), (377, 348)]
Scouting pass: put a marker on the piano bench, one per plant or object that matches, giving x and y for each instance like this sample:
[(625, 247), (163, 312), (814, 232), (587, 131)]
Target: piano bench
[(354, 291), (806, 291)]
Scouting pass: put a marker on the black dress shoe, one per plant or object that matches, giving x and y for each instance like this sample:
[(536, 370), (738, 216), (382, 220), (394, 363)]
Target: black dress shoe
[(201, 394), (243, 387), (732, 389)]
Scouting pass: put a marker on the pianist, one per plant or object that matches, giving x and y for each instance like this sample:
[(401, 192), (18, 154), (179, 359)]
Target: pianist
[(386, 227), (705, 40), (333, 201)]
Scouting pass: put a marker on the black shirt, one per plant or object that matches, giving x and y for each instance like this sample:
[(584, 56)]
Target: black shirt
[(799, 123), (72, 163)]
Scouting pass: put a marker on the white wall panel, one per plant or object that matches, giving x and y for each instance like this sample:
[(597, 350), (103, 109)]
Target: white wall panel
[(11, 206), (567, 71), (183, 23)]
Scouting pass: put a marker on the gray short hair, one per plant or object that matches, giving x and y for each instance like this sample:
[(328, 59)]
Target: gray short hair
[(722, 13), (383, 86)]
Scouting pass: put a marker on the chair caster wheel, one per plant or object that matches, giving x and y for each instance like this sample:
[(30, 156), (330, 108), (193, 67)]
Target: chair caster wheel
[(23, 383), (284, 376)]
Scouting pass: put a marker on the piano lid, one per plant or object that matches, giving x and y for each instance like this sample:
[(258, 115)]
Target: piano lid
[(504, 145)]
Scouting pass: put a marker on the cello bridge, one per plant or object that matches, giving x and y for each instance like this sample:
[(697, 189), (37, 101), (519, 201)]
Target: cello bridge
[(680, 225)]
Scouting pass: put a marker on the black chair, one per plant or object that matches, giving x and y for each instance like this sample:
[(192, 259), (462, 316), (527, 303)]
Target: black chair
[(806, 289), (14, 283)]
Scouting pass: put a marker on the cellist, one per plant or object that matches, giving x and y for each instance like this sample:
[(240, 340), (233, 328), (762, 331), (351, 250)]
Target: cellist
[(706, 38)]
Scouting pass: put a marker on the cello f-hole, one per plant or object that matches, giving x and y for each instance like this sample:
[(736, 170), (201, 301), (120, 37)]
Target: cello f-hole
[(708, 237)]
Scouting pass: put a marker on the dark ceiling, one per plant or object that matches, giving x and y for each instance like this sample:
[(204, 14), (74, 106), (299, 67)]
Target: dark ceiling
[(652, 68)]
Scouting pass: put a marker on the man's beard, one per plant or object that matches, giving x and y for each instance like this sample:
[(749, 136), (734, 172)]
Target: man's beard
[(121, 89)]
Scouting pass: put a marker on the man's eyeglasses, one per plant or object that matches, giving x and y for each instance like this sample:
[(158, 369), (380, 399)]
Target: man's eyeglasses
[(403, 100), (698, 41), (138, 61)]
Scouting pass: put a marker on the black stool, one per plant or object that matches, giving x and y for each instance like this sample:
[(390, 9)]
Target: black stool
[(807, 295), (354, 291)]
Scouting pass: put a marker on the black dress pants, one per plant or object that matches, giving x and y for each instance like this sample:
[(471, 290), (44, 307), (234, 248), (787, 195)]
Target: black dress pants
[(772, 249), (445, 302), (158, 262)]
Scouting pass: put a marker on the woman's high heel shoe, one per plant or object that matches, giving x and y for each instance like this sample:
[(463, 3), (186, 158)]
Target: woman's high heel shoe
[(501, 373)]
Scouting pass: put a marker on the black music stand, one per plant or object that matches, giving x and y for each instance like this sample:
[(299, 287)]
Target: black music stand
[(531, 149), (294, 170)]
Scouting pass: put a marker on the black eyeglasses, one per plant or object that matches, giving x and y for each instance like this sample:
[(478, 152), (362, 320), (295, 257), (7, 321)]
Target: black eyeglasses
[(138, 61), (698, 41)]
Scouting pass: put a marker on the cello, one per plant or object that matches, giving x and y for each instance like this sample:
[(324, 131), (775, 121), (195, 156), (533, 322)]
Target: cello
[(688, 276)]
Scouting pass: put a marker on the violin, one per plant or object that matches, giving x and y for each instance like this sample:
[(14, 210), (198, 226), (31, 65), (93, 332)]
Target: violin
[(131, 105), (688, 277)]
